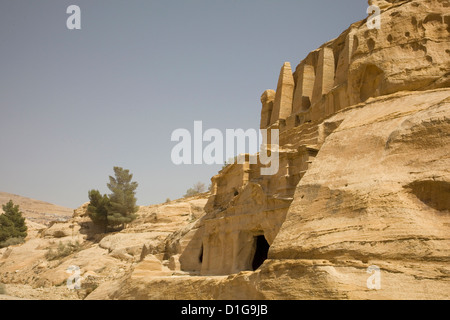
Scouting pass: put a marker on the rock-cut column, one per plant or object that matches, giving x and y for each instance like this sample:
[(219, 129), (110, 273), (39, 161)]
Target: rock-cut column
[(304, 88), (325, 74), (267, 99), (282, 106)]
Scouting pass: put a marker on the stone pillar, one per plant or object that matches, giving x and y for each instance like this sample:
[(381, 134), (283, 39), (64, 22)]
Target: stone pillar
[(267, 100), (341, 98), (235, 243), (344, 60), (304, 88), (324, 76), (246, 169), (282, 106), (382, 4), (245, 251)]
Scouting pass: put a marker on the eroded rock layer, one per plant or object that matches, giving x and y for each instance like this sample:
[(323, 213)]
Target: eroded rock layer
[(358, 209), (364, 178)]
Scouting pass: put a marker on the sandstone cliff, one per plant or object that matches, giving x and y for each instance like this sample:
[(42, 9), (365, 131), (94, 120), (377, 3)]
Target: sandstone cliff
[(150, 246), (363, 179), (364, 183)]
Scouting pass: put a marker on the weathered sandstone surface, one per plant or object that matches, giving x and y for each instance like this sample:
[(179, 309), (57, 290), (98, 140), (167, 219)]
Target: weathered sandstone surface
[(36, 211), (147, 247), (364, 182)]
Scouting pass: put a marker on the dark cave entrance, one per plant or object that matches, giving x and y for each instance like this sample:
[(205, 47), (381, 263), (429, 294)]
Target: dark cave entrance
[(200, 257), (262, 249)]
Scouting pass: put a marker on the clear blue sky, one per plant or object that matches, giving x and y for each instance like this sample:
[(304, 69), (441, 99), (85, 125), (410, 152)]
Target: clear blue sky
[(75, 103)]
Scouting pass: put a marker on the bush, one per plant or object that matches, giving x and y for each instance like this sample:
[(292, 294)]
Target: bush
[(118, 208), (190, 193), (122, 201), (12, 224), (63, 250), (2, 288), (98, 208), (229, 161), (11, 242), (196, 189)]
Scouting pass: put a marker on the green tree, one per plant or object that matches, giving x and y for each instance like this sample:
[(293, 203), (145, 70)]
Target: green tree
[(6, 228), (13, 213), (98, 208), (12, 223), (122, 206)]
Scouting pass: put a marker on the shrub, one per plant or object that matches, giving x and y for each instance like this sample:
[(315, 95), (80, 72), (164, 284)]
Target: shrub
[(12, 224), (122, 206), (11, 242), (98, 208), (117, 208), (2, 288), (63, 250), (196, 189)]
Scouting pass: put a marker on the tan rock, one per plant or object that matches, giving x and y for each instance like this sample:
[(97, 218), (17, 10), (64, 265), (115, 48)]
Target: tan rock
[(61, 230), (81, 211), (324, 79), (92, 261), (34, 229), (362, 189), (350, 72), (282, 105), (304, 87), (129, 246), (37, 211), (267, 100), (174, 263), (150, 266), (385, 208), (384, 4)]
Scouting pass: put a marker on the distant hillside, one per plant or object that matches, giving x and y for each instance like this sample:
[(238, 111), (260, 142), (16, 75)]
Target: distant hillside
[(35, 210)]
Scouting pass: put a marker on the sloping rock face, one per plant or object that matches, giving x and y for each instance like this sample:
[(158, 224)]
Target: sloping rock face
[(146, 248), (377, 194), (359, 208), (36, 211), (350, 72)]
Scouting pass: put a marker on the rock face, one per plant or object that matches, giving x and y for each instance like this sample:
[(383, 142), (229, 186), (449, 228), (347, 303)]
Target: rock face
[(363, 182), (385, 204), (359, 208), (282, 105), (148, 247), (37, 211)]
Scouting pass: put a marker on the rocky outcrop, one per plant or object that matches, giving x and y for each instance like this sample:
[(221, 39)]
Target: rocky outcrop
[(36, 211), (363, 182), (359, 208), (378, 206), (376, 194), (282, 105), (150, 246)]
